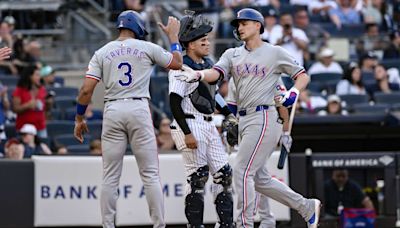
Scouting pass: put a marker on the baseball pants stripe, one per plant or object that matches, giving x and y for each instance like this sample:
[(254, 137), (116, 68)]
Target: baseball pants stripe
[(265, 124)]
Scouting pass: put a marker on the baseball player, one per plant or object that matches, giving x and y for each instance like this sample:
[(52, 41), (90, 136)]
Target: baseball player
[(193, 130), (124, 66), (5, 53), (256, 67), (267, 219)]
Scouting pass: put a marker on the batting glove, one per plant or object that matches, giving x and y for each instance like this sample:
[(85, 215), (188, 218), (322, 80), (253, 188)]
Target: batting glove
[(286, 141), (189, 75), (288, 98)]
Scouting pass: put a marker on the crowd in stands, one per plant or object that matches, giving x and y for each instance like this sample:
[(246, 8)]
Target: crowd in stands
[(31, 93)]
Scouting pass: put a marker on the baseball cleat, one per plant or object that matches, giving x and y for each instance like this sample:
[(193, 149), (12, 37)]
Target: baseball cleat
[(314, 220)]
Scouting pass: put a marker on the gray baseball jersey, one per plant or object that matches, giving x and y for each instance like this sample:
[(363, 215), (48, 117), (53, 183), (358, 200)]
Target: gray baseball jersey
[(125, 68), (256, 77), (256, 72)]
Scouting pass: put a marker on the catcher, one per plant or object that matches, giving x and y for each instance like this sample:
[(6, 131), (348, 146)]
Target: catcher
[(194, 133)]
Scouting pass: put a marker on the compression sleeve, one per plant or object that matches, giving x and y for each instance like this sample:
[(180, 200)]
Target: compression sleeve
[(177, 111)]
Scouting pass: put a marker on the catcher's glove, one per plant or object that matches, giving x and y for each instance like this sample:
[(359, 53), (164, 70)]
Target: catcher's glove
[(230, 125)]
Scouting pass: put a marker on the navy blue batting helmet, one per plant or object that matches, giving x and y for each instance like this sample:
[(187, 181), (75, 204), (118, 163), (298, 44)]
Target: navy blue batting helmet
[(131, 20), (248, 14)]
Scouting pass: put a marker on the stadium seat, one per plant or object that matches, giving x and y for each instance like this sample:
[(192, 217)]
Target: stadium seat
[(371, 109), (326, 77), (60, 127), (9, 80), (78, 149), (65, 91), (65, 102), (95, 127), (387, 98), (59, 80), (396, 107), (69, 139), (352, 99), (10, 130), (389, 63)]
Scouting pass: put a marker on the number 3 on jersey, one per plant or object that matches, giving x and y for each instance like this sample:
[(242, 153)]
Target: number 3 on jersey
[(128, 70)]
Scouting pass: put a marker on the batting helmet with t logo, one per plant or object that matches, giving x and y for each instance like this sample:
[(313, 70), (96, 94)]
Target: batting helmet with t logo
[(248, 14), (131, 20)]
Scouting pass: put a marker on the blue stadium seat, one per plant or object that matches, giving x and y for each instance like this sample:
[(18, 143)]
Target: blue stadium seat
[(389, 63), (327, 81), (79, 149), (65, 102), (65, 91), (352, 99), (387, 98), (10, 130), (60, 127), (95, 128), (69, 139), (372, 109), (9, 80), (396, 107), (59, 80)]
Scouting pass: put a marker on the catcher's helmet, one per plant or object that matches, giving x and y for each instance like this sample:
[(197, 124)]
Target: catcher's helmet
[(131, 20), (248, 14), (193, 27)]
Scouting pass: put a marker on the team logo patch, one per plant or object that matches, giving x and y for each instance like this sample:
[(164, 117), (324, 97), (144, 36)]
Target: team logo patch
[(121, 24)]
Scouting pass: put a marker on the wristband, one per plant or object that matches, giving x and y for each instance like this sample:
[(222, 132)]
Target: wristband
[(80, 109), (286, 133), (176, 47)]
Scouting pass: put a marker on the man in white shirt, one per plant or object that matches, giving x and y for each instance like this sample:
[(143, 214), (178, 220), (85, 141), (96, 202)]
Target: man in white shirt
[(270, 20), (325, 63), (321, 7), (292, 39)]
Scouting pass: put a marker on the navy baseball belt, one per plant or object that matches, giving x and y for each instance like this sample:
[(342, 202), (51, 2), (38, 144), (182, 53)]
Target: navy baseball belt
[(124, 99), (206, 118), (244, 112)]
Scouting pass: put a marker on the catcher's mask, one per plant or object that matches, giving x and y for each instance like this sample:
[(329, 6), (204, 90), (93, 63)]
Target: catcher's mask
[(193, 27)]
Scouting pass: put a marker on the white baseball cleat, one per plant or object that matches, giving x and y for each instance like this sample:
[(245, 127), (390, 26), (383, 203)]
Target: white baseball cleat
[(314, 220)]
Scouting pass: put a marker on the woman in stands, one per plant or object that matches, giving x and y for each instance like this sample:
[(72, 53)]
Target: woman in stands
[(351, 82), (382, 83), (29, 101)]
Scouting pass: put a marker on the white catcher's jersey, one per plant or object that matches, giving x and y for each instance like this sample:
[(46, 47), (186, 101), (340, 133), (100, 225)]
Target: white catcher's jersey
[(256, 73), (125, 67), (183, 89)]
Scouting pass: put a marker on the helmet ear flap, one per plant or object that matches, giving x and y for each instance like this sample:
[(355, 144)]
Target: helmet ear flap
[(236, 34)]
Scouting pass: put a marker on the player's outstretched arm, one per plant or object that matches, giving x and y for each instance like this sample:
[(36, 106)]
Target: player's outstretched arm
[(84, 97), (190, 75), (5, 53), (172, 31)]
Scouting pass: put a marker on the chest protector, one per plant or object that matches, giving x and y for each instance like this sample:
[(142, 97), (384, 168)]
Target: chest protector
[(202, 97)]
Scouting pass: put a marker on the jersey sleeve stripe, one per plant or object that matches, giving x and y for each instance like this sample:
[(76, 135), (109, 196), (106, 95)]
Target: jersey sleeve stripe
[(294, 77), (170, 61), (92, 77), (219, 69)]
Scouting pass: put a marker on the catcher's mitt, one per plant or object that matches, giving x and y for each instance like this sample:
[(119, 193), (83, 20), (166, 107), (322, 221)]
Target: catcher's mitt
[(230, 125)]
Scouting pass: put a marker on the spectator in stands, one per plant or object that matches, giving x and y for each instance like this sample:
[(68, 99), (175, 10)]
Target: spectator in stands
[(6, 40), (31, 142), (340, 192), (4, 107), (345, 14), (325, 63), (371, 40), (372, 11), (334, 107), (274, 3), (393, 51), (61, 150), (95, 147), (164, 138), (292, 39), (310, 103), (352, 81), (270, 20), (29, 101), (33, 50), (48, 77), (14, 149), (382, 82), (50, 105), (321, 8), (303, 3), (10, 22), (315, 33), (368, 62)]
